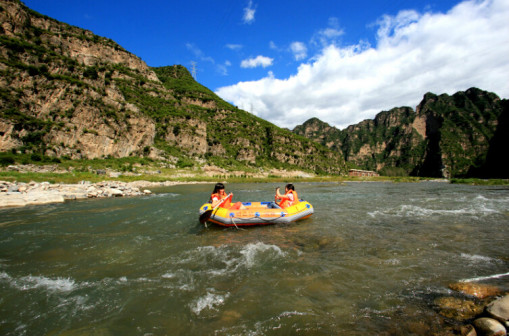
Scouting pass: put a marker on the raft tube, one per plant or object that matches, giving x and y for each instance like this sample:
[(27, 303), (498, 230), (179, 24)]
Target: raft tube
[(257, 213)]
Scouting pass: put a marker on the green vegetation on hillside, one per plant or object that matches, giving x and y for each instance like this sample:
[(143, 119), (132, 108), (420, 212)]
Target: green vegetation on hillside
[(463, 135), (61, 104)]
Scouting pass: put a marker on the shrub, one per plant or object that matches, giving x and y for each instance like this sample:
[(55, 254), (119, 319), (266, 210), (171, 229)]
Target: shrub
[(91, 73), (393, 171), (6, 159)]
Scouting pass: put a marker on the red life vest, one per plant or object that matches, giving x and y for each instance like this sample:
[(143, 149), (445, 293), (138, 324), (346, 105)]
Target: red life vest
[(286, 201)]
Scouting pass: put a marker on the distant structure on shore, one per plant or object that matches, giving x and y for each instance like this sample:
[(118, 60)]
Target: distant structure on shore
[(358, 172)]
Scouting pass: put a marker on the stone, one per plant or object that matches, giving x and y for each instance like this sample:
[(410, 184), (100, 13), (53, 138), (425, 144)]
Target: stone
[(13, 188), (115, 192), (499, 309), (44, 198), (480, 291), (12, 200), (486, 326), (468, 330)]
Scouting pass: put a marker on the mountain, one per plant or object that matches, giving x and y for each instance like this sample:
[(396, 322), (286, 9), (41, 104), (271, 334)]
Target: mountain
[(67, 93), (463, 135)]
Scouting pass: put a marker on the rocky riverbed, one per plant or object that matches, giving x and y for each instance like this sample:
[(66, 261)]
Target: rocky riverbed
[(480, 309), (18, 194)]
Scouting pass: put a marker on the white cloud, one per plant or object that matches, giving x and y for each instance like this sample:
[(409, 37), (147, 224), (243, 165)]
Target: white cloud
[(299, 50), (262, 61), (273, 45), (415, 53), (234, 46), (249, 13), (222, 69), (199, 53), (329, 35)]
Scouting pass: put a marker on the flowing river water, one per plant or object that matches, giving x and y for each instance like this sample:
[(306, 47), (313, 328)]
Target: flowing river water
[(370, 261)]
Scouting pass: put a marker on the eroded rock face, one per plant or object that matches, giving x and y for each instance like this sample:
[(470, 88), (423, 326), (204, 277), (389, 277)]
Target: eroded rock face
[(70, 102), (71, 93), (446, 136)]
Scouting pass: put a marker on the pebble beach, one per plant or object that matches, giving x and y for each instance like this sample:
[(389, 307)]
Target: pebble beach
[(18, 194)]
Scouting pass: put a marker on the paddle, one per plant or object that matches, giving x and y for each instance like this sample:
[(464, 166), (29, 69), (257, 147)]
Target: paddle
[(204, 217)]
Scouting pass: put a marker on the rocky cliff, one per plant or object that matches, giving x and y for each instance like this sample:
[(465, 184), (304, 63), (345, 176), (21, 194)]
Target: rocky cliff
[(446, 136), (67, 93)]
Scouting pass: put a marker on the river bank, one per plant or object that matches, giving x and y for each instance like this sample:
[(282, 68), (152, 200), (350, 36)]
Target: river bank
[(19, 194)]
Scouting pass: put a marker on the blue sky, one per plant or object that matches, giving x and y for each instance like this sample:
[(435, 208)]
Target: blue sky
[(288, 61)]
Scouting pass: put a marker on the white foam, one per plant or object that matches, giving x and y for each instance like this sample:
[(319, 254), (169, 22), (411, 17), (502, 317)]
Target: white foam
[(168, 276), (209, 301), (162, 195), (487, 277), (393, 261), (252, 251), (476, 258), (33, 282), (5, 276), (410, 210)]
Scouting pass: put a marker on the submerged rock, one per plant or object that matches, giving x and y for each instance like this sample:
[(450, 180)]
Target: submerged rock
[(479, 291), (458, 309)]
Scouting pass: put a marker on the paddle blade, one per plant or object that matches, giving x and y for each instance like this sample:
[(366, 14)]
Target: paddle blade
[(204, 217)]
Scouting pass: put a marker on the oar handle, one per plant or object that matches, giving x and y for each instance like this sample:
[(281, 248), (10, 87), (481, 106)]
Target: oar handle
[(222, 201)]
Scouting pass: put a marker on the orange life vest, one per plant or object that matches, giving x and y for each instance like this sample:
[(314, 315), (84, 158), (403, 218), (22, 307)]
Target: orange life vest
[(225, 204), (286, 201)]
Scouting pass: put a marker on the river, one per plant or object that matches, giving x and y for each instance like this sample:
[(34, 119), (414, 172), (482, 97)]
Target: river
[(370, 261)]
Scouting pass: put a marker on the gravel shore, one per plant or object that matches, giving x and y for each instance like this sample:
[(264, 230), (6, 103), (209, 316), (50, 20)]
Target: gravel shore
[(18, 194)]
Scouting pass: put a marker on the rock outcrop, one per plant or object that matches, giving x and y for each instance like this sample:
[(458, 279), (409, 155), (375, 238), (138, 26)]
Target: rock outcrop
[(446, 136), (67, 93), (480, 313)]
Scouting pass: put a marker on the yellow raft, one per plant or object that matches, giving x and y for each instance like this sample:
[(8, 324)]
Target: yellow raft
[(257, 213)]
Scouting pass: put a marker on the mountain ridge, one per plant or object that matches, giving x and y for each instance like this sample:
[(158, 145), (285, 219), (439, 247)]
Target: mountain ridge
[(446, 136), (67, 93)]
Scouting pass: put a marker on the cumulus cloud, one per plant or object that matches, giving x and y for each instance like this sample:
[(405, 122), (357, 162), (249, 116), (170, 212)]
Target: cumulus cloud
[(249, 13), (262, 61), (299, 50), (415, 53)]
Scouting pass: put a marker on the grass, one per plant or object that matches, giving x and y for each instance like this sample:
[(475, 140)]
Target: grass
[(183, 175), (476, 181), (141, 169)]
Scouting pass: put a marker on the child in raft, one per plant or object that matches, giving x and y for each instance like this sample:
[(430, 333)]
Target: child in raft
[(218, 195), (288, 199)]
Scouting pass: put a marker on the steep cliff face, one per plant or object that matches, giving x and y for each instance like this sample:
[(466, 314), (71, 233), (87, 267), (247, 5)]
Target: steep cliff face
[(67, 92), (59, 92), (459, 131), (393, 139), (446, 136)]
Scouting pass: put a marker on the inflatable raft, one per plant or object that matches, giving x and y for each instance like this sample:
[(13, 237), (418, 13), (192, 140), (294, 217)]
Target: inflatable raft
[(257, 213)]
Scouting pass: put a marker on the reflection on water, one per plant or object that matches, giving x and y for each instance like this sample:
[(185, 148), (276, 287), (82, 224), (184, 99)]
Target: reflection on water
[(369, 261)]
